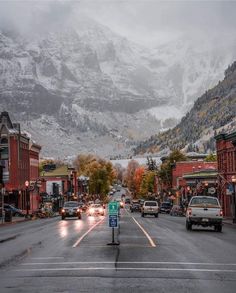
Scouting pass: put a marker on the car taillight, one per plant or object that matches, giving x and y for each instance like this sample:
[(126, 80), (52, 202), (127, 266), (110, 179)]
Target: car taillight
[(221, 213), (62, 210), (189, 211), (78, 210)]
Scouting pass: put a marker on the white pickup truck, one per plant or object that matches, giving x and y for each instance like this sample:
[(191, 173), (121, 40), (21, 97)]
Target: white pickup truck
[(204, 211)]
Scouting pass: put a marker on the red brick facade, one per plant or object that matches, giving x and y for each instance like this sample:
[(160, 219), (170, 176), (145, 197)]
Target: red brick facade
[(185, 167), (226, 155), (16, 154)]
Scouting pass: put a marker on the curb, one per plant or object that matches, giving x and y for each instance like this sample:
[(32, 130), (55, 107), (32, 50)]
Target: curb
[(229, 223), (14, 222)]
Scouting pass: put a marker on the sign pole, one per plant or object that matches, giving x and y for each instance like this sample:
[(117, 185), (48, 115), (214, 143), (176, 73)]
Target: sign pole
[(113, 235), (113, 220)]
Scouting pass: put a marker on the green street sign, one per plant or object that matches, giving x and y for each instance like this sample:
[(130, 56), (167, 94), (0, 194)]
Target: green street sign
[(113, 208)]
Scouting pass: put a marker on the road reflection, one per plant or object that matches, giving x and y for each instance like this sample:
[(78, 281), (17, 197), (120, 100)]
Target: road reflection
[(63, 229), (67, 226)]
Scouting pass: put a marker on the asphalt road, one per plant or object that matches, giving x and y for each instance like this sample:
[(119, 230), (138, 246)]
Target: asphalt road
[(154, 255)]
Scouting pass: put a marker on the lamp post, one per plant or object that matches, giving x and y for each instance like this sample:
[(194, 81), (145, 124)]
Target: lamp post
[(27, 198), (233, 179)]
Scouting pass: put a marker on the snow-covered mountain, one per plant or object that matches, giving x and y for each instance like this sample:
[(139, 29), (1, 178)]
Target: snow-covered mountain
[(87, 89)]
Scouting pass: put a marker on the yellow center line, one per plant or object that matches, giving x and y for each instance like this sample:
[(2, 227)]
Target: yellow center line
[(145, 233), (86, 233)]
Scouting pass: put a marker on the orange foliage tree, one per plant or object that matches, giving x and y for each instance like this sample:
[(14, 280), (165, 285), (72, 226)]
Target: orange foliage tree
[(138, 177)]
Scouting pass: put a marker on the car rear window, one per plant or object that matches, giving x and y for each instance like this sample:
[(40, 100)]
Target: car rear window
[(166, 204), (204, 200), (151, 203), (71, 204)]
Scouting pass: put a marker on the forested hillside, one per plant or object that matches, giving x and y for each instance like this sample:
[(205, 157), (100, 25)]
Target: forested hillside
[(213, 112)]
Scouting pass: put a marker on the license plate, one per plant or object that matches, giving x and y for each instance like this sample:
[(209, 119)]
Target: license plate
[(205, 220)]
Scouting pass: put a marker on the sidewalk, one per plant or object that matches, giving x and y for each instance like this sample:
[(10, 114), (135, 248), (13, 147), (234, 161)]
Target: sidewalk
[(14, 221), (229, 221)]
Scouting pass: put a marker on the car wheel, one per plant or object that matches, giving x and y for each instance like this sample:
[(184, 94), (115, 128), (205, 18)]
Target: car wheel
[(142, 215), (188, 226), (63, 217), (218, 228), (156, 215), (79, 217)]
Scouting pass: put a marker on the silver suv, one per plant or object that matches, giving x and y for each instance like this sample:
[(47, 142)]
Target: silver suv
[(71, 209), (150, 207)]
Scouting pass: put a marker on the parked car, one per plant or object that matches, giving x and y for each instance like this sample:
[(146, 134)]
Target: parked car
[(15, 211), (165, 207), (141, 202), (204, 211), (127, 201), (135, 206), (150, 208), (71, 209), (177, 210), (96, 209)]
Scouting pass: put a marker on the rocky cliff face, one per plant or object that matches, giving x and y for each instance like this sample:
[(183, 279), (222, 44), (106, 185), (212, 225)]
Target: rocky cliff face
[(214, 112), (85, 87)]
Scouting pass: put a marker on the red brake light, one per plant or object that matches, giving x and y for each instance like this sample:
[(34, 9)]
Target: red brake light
[(221, 213)]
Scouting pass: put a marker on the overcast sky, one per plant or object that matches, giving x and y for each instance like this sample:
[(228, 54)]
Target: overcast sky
[(145, 21)]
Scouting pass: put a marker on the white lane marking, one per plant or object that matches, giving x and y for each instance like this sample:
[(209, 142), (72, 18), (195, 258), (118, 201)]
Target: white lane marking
[(126, 269), (86, 233), (132, 262), (145, 233), (48, 257)]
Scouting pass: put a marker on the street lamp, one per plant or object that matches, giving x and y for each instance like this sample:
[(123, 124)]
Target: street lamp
[(233, 179), (27, 197)]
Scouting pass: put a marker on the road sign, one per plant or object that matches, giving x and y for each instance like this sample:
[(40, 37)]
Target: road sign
[(113, 208), (212, 190), (113, 221)]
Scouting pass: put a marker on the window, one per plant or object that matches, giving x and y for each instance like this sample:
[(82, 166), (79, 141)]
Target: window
[(204, 200)]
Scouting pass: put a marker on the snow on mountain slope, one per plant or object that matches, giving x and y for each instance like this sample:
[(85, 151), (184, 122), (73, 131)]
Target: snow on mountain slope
[(86, 88)]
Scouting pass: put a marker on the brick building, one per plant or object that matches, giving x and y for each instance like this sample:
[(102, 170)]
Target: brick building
[(226, 156), (59, 184), (193, 177), (186, 167), (16, 154), (34, 151)]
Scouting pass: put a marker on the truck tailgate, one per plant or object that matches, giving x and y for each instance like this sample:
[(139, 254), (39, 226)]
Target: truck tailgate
[(206, 212)]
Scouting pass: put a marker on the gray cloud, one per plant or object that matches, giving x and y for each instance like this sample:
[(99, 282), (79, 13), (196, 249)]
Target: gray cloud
[(144, 21)]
